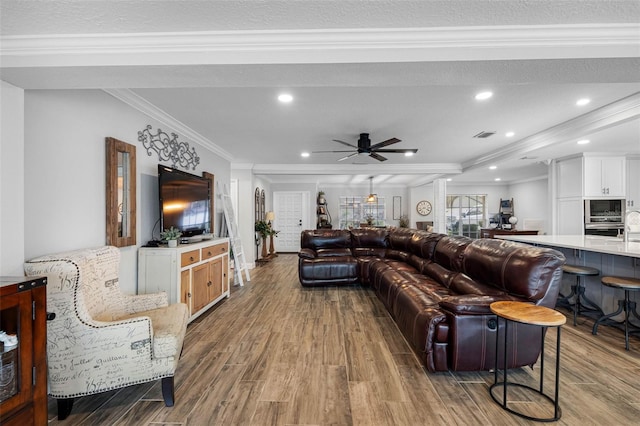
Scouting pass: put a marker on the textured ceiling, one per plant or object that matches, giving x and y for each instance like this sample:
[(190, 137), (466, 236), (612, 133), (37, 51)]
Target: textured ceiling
[(426, 102)]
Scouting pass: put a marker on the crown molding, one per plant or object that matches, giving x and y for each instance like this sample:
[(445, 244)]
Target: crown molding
[(139, 103), (323, 45), (350, 169), (599, 119)]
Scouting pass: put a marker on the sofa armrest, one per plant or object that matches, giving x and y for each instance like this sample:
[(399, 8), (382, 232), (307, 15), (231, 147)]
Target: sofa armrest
[(470, 304), (307, 253)]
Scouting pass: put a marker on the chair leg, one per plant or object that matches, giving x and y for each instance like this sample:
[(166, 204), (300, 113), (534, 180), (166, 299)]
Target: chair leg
[(167, 391), (64, 407)]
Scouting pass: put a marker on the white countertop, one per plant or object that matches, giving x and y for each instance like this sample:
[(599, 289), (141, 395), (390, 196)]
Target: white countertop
[(609, 245)]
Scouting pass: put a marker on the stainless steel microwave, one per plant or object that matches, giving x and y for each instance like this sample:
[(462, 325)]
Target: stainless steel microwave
[(604, 211), (604, 217)]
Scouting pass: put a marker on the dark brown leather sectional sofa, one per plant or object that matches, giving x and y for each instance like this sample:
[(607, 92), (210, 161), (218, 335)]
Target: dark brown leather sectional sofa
[(438, 288)]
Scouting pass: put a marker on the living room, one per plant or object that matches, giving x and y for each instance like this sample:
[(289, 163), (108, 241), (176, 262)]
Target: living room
[(58, 109)]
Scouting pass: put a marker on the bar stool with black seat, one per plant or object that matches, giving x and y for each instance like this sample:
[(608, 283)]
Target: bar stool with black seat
[(628, 285), (540, 316), (577, 290)]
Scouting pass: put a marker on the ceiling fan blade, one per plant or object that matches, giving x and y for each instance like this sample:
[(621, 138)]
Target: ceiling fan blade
[(397, 151), (377, 157), (385, 143), (345, 143), (348, 156), (324, 152)]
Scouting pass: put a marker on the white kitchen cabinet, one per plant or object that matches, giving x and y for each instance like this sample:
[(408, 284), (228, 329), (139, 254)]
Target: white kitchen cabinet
[(604, 177), (569, 182), (633, 183), (570, 217), (195, 274)]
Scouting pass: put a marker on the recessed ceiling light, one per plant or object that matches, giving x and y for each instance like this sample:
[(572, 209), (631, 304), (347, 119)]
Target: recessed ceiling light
[(408, 154), (583, 141), (583, 101), (449, 179), (493, 167), (483, 96), (497, 179), (509, 134), (285, 98), (304, 154)]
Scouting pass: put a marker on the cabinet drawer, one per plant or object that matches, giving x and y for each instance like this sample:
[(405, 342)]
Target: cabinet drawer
[(214, 250), (189, 257)]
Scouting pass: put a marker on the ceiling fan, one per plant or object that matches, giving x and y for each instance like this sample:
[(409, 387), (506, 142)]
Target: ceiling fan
[(364, 147)]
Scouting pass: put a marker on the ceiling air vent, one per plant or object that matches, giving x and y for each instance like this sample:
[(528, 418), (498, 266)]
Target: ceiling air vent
[(484, 134)]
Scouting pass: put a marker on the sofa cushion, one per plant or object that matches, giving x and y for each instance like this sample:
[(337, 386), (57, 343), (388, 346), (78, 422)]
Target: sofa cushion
[(423, 244), (325, 238), (369, 238), (328, 270), (520, 270), (449, 252), (439, 273)]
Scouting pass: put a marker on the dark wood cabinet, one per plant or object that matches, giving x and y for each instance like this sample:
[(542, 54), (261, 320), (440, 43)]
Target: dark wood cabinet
[(492, 232), (23, 379)]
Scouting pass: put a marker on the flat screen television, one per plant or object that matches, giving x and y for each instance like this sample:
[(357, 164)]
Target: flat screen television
[(184, 201)]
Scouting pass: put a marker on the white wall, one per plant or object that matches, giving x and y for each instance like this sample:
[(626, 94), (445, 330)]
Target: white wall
[(11, 180), (64, 171), (424, 192), (531, 201), (334, 192), (246, 193)]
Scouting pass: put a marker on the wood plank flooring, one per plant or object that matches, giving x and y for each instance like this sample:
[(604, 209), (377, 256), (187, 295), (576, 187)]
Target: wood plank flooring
[(276, 353)]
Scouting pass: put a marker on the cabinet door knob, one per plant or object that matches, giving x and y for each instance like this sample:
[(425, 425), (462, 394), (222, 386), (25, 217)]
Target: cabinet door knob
[(209, 284), (191, 258), (208, 253), (188, 294)]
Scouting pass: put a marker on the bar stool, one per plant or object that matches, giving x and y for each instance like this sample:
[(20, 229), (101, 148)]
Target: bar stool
[(629, 307), (577, 290)]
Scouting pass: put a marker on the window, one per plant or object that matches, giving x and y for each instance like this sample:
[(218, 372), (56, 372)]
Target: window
[(355, 211), (466, 214)]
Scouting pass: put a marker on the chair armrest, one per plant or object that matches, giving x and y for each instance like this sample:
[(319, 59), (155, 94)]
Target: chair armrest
[(143, 302), (470, 304), (307, 253)]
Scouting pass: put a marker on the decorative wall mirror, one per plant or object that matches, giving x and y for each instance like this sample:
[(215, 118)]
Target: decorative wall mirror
[(121, 193), (262, 210), (212, 204), (257, 204)]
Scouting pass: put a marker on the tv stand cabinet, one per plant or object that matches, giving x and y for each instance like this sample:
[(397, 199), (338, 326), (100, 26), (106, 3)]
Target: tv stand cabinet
[(196, 274)]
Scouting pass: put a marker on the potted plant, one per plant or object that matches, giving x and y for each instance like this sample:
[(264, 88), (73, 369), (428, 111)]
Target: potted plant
[(404, 221), (263, 228), (171, 236)]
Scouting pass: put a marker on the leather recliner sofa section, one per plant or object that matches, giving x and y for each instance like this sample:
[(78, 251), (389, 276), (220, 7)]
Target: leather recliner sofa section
[(438, 288)]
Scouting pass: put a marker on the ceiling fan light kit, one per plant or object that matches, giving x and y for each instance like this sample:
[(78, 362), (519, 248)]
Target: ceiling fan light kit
[(364, 147)]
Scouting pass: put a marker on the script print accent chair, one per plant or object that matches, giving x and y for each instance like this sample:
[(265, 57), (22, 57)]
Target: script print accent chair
[(102, 339)]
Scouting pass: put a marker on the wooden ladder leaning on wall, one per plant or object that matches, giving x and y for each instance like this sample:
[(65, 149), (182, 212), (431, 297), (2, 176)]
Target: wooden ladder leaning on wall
[(237, 251)]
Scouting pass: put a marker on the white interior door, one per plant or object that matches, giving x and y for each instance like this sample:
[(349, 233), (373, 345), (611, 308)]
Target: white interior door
[(292, 216)]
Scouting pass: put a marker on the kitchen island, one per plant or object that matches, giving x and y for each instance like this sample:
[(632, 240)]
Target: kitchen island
[(610, 255)]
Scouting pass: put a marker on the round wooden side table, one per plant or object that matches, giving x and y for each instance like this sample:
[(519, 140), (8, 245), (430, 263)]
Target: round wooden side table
[(543, 317)]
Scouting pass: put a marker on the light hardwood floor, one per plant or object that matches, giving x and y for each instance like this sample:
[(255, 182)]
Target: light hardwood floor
[(276, 353)]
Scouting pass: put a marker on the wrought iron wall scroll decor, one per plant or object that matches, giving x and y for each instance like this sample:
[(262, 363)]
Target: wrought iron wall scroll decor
[(168, 148)]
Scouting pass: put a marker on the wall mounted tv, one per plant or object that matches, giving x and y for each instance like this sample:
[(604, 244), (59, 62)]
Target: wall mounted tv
[(184, 201)]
